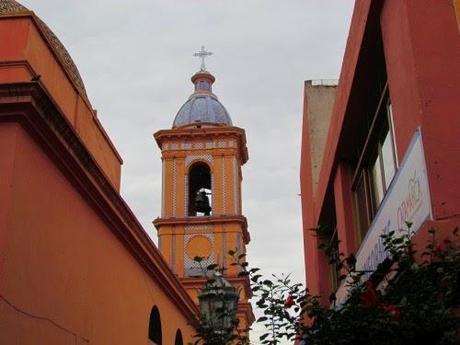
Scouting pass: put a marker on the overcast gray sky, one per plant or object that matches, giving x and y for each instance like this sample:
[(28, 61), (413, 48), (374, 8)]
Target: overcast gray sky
[(136, 60)]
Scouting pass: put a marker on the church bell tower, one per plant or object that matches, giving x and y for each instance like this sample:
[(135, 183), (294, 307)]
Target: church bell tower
[(202, 156)]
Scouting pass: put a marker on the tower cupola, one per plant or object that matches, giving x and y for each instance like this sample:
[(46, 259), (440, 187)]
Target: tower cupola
[(202, 109)]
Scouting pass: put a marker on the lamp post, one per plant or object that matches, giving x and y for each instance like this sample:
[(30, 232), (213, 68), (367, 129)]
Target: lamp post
[(218, 304)]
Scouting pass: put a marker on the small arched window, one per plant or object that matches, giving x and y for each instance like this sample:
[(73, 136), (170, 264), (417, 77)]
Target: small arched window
[(178, 340), (199, 190), (155, 327)]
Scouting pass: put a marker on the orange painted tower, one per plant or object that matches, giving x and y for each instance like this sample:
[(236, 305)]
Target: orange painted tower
[(201, 200)]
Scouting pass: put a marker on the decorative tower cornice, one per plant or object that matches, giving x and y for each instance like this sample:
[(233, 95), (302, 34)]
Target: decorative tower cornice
[(166, 137)]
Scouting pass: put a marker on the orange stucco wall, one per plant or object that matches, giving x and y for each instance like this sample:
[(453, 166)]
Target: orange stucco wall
[(25, 52), (431, 101), (67, 278), (421, 48)]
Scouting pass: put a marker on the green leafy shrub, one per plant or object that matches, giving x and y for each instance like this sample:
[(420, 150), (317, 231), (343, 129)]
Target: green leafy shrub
[(405, 301)]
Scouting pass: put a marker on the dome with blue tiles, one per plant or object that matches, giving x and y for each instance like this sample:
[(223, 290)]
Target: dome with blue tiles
[(202, 108)]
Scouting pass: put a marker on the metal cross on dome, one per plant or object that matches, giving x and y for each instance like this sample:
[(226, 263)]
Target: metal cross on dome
[(202, 54)]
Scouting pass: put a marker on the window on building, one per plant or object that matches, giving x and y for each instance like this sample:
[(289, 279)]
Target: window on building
[(362, 206), (334, 256), (376, 167), (155, 336), (329, 244), (199, 190), (178, 340)]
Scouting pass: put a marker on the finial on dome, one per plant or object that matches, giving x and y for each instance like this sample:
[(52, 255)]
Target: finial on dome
[(202, 54)]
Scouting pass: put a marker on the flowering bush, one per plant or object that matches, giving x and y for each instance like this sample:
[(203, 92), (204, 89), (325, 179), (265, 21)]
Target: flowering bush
[(405, 301)]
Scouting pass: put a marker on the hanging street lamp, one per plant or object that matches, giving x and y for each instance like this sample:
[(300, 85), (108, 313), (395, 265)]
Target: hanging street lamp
[(218, 301)]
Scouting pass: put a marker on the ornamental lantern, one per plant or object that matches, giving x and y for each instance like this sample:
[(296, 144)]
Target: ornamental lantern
[(218, 304)]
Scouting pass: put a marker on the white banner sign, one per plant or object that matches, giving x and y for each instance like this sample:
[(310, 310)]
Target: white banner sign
[(407, 200)]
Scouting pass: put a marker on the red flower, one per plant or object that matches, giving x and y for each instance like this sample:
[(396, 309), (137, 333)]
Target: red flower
[(447, 241), (440, 247), (369, 297), (445, 244), (289, 302), (393, 311)]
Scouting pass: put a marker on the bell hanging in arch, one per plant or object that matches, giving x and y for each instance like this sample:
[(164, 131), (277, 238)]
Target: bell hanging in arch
[(202, 202)]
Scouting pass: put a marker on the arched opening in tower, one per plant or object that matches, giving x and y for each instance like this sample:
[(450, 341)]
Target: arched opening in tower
[(199, 193)]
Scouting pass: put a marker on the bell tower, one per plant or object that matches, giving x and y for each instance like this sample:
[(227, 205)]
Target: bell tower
[(202, 156)]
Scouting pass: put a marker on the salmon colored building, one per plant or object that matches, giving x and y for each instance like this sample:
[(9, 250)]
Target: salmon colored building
[(383, 147), (202, 156), (76, 266)]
